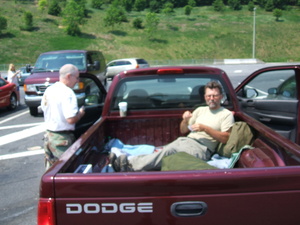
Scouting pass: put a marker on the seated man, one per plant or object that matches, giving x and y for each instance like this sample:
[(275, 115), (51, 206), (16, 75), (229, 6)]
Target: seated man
[(207, 127)]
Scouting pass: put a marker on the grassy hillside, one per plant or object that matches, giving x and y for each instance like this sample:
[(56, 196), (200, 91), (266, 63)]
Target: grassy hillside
[(205, 34)]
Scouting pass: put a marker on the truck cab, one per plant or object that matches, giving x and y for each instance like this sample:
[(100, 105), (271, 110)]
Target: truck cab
[(46, 72)]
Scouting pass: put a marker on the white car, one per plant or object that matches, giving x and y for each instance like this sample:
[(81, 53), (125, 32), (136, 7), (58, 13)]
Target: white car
[(116, 66)]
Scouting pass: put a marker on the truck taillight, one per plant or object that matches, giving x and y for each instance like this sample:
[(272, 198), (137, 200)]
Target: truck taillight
[(45, 214)]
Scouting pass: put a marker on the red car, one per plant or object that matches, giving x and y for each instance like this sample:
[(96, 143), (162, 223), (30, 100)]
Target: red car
[(9, 95)]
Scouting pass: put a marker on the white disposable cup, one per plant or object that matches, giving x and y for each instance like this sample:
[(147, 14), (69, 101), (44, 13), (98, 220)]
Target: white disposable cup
[(123, 108)]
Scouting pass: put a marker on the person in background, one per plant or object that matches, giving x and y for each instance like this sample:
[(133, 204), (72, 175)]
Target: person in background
[(61, 113), (12, 75), (206, 126)]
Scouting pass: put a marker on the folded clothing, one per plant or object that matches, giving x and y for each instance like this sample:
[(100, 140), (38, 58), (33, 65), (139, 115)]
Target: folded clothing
[(116, 146)]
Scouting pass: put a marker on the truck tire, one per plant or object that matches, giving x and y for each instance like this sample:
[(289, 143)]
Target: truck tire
[(33, 111)]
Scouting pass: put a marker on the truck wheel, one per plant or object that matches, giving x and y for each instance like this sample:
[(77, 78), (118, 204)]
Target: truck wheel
[(13, 102), (33, 111)]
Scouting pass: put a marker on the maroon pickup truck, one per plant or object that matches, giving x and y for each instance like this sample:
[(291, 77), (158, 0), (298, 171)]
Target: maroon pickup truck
[(262, 187), (46, 72)]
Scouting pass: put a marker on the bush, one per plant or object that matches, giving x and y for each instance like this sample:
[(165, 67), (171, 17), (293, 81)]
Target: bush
[(218, 5), (140, 5), (73, 29), (137, 23), (277, 13), (28, 19), (251, 6), (235, 4), (42, 4), (155, 6), (187, 10), (97, 4), (54, 8), (3, 24)]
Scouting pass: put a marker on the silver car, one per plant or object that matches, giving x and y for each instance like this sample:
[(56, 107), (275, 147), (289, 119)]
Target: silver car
[(116, 66)]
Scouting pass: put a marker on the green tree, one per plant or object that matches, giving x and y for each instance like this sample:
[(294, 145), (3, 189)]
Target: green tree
[(156, 6), (179, 3), (168, 8), (140, 5), (82, 4), (97, 4), (251, 6), (192, 3), (3, 23), (28, 20), (188, 10), (151, 24), (137, 23), (114, 15), (218, 5), (277, 13), (54, 8), (42, 5), (73, 16), (235, 4), (269, 6), (280, 4), (127, 4)]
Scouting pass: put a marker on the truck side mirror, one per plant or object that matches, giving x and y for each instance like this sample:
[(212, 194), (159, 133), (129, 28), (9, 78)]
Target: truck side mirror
[(272, 91), (251, 93), (97, 65), (28, 68)]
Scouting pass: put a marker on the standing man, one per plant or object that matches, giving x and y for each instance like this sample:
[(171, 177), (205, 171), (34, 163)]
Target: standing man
[(207, 127), (61, 113)]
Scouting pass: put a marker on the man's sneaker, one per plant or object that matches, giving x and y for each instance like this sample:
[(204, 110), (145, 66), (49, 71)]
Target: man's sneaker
[(121, 164)]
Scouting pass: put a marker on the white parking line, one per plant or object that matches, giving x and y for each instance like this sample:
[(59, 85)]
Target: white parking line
[(13, 117), (6, 139), (21, 154), (20, 125)]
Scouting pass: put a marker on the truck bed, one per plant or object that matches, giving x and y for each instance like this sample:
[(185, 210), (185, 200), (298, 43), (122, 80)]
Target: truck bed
[(158, 131), (191, 195)]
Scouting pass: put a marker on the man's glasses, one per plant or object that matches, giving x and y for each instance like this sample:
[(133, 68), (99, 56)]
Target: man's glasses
[(212, 96)]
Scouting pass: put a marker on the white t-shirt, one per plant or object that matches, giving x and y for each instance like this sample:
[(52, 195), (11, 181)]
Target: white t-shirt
[(59, 103), (221, 119), (12, 79)]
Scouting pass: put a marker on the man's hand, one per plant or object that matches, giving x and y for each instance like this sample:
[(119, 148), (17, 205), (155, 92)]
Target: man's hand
[(186, 116), (185, 122)]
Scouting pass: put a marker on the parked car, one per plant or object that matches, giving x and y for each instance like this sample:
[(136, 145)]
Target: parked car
[(9, 95), (116, 66), (24, 74)]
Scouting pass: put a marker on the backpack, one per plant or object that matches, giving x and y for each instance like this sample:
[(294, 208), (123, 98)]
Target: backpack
[(241, 135)]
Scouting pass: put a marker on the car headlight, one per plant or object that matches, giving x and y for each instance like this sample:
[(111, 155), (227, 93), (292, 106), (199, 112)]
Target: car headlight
[(29, 88), (79, 86)]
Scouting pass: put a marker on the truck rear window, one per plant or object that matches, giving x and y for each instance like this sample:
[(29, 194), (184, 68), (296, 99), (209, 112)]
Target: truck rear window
[(165, 92)]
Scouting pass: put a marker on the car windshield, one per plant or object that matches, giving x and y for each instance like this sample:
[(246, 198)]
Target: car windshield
[(53, 62), (163, 92), (141, 61)]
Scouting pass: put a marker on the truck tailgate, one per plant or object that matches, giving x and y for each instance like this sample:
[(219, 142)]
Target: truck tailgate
[(236, 196)]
